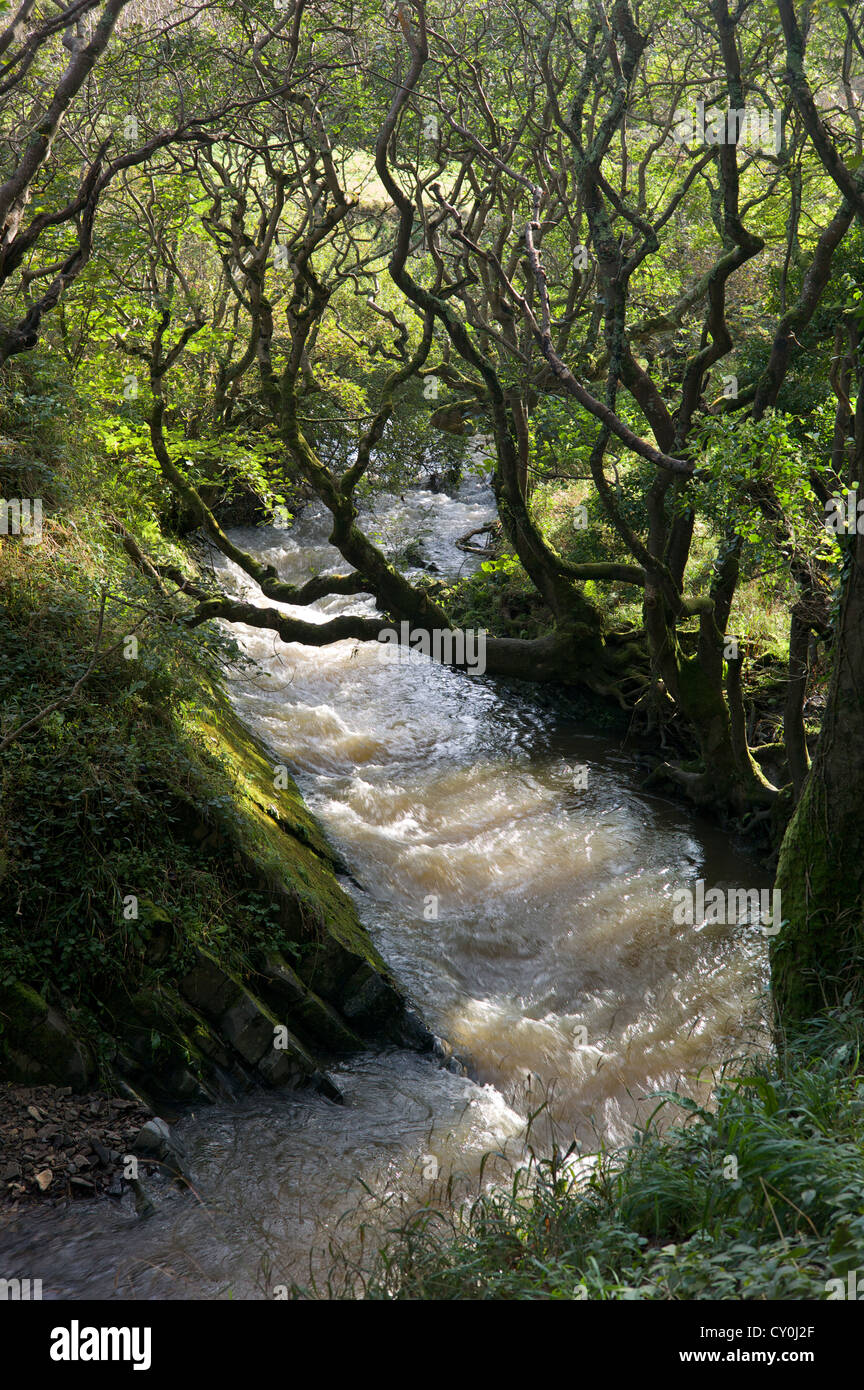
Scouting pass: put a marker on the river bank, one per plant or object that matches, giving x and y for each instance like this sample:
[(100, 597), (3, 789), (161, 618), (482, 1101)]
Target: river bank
[(174, 922), (57, 1146)]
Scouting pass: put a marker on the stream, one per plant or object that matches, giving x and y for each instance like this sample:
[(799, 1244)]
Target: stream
[(529, 918)]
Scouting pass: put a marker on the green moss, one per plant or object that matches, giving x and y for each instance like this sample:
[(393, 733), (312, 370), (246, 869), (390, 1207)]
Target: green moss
[(271, 828), (35, 1043), (816, 958), (147, 786)]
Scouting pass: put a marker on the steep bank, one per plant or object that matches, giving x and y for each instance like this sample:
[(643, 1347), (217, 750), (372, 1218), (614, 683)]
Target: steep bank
[(172, 923), (245, 929)]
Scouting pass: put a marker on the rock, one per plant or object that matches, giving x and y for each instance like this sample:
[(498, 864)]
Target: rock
[(155, 1140), (38, 1044), (99, 1149), (370, 1002), (134, 1099), (327, 1086), (77, 1149), (44, 1179), (448, 1059), (280, 1069), (294, 1000), (413, 1033), (185, 1085), (248, 1029), (251, 1027), (153, 1137), (209, 989)]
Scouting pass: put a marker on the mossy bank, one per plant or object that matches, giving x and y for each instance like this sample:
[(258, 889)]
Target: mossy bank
[(171, 915)]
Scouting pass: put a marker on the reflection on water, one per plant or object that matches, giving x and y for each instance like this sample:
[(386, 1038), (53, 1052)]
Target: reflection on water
[(529, 918)]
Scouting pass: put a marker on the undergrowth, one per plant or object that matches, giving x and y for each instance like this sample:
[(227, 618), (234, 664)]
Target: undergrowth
[(757, 1195)]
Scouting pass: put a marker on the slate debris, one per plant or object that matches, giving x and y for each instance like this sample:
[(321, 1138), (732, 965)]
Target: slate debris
[(56, 1146)]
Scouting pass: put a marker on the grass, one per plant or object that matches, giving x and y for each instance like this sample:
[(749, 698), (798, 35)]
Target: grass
[(757, 1195)]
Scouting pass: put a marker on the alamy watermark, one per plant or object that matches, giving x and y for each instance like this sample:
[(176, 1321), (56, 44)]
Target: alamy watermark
[(448, 646), (77, 1343), (20, 1290), (844, 516), (852, 1288), (743, 125), (21, 516), (757, 906)]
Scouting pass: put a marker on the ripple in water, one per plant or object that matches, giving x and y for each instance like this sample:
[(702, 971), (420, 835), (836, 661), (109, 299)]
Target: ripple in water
[(530, 921)]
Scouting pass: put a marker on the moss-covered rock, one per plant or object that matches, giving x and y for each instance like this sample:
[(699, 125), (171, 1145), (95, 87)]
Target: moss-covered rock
[(38, 1046), (175, 901)]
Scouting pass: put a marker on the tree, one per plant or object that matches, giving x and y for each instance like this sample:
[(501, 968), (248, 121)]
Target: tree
[(816, 960), (516, 231), (65, 137), (504, 306)]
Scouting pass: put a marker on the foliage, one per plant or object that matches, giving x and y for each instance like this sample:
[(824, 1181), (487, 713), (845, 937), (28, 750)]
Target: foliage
[(670, 1217)]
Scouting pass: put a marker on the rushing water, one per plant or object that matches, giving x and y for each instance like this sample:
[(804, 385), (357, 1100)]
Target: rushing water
[(529, 918)]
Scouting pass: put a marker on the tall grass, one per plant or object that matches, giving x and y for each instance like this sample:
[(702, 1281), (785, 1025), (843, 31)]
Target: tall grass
[(758, 1195)]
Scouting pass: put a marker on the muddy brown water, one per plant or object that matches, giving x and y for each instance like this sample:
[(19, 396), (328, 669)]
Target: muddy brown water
[(528, 917)]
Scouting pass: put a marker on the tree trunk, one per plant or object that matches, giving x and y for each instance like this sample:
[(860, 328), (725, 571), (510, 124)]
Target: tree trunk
[(816, 959)]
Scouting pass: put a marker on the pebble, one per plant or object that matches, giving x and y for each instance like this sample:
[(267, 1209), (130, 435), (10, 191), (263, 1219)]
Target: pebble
[(55, 1146)]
